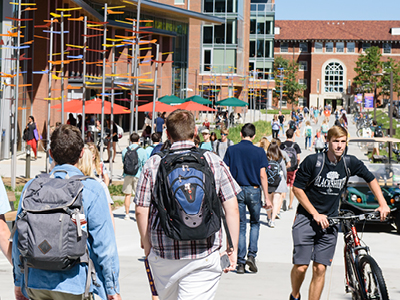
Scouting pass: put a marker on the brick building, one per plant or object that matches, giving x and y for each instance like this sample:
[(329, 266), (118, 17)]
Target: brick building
[(327, 52)]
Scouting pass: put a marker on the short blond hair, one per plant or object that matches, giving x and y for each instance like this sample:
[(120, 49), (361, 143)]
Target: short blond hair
[(85, 163), (336, 131), (264, 143)]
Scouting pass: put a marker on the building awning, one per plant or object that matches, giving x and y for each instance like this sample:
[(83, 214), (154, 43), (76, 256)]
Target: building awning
[(154, 8)]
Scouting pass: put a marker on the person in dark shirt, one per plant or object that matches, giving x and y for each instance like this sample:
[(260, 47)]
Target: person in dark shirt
[(248, 164), (281, 120), (288, 147), (160, 124), (318, 187)]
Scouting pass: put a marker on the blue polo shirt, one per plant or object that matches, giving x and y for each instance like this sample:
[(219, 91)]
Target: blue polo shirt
[(245, 162)]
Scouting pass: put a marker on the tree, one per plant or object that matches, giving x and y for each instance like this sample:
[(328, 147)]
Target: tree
[(387, 67), (291, 86), (367, 65)]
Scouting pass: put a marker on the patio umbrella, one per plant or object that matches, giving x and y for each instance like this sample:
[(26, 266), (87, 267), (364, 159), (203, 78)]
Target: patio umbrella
[(160, 107), (93, 107), (193, 106), (231, 102), (72, 102), (171, 99), (199, 100)]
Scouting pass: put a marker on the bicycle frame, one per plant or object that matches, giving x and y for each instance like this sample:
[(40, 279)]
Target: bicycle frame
[(355, 251)]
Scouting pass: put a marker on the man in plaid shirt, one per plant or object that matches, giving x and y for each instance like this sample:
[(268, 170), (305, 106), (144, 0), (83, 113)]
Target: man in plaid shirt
[(184, 269)]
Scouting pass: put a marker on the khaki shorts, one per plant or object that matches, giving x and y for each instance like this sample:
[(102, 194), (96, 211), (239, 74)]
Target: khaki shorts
[(130, 184)]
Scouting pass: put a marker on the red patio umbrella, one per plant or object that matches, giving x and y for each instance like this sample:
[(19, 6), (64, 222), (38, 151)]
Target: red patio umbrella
[(160, 107), (93, 107), (193, 106)]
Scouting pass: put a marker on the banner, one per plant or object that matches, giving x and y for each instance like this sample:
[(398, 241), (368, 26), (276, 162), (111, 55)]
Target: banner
[(369, 101), (358, 98)]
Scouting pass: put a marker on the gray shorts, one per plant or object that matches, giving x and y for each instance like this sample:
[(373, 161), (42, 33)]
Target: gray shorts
[(311, 242)]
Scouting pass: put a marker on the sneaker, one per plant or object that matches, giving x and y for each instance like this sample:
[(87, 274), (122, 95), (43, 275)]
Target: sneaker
[(127, 217), (284, 206), (293, 298), (251, 262), (272, 224), (240, 269)]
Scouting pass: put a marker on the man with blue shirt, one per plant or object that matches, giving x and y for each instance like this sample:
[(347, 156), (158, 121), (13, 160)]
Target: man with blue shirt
[(4, 231), (160, 124), (248, 165), (155, 138), (130, 181), (66, 149)]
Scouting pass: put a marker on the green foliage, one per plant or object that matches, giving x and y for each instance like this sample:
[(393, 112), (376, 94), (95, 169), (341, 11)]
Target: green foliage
[(276, 111), (387, 67), (116, 190), (367, 65), (289, 81)]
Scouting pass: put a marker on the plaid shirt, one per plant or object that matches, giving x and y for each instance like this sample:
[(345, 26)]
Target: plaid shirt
[(164, 246)]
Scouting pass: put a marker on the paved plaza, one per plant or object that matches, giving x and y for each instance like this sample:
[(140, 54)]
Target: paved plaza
[(272, 282)]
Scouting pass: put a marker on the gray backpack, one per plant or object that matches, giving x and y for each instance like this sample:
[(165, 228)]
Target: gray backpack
[(52, 229)]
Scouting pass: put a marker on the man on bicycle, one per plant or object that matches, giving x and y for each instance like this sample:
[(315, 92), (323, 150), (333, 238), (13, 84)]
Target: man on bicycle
[(319, 182)]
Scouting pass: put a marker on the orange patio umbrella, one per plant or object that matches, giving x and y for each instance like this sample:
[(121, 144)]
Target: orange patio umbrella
[(160, 107), (193, 106), (93, 107)]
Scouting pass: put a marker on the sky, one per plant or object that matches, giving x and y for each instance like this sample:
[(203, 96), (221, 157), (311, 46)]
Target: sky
[(337, 10)]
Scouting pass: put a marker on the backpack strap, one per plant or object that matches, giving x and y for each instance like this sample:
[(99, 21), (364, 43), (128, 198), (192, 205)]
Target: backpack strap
[(319, 165)]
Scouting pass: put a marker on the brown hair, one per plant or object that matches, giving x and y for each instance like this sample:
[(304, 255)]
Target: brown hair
[(180, 125), (274, 153), (264, 143), (66, 144), (336, 131), (224, 130)]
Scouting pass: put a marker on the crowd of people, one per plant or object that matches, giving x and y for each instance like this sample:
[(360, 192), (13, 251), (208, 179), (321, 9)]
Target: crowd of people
[(183, 249)]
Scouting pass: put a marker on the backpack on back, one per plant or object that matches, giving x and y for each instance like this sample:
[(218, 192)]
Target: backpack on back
[(274, 173), (292, 125), (324, 128), (291, 152), (185, 197), (131, 161), (308, 132), (319, 143), (378, 131)]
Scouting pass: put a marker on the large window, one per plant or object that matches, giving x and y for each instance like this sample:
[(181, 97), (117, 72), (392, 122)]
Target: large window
[(387, 48), (208, 6), (303, 47), (252, 48), (267, 49), (268, 27), (253, 24), (219, 34), (365, 46), (303, 81), (260, 27), (339, 47), (284, 47), (302, 66), (220, 6), (260, 48), (334, 78), (207, 34), (318, 47), (351, 46), (207, 60), (329, 47)]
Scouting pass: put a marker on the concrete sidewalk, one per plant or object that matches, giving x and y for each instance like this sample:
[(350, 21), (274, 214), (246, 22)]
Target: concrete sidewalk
[(272, 282)]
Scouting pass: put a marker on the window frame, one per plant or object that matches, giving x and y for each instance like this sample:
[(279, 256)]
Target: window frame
[(339, 48), (303, 81), (365, 48), (385, 48), (287, 47), (319, 50), (306, 47), (347, 47), (333, 70), (303, 66), (328, 44)]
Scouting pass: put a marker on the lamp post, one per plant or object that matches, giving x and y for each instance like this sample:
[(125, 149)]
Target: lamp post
[(391, 104)]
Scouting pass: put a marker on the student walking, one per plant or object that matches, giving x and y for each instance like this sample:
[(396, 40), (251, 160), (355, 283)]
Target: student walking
[(220, 146), (308, 134), (281, 118), (275, 127), (248, 165), (319, 183), (31, 135), (185, 269)]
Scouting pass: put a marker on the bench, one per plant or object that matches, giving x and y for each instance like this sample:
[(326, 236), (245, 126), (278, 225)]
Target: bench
[(11, 215)]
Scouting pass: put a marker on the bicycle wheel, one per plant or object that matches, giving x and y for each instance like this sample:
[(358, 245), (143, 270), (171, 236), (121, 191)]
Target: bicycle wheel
[(360, 132), (353, 285), (374, 283)]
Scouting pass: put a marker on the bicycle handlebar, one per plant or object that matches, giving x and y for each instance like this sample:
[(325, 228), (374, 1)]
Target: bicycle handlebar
[(360, 217)]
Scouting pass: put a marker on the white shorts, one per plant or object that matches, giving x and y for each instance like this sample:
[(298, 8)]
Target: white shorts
[(186, 279)]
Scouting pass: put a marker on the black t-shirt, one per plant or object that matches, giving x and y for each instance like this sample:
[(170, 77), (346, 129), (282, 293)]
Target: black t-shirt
[(281, 119), (289, 144), (324, 193)]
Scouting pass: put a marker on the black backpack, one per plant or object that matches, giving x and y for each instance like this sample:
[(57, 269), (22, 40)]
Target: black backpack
[(185, 197), (274, 173), (131, 161), (292, 125), (292, 153), (378, 131)]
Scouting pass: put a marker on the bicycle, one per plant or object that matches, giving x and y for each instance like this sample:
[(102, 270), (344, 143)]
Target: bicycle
[(364, 278)]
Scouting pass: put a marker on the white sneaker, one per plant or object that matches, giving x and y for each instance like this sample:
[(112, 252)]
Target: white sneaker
[(272, 224), (127, 217)]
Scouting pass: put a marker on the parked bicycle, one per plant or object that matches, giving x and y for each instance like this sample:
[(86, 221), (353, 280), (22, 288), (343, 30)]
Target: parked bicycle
[(364, 278)]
